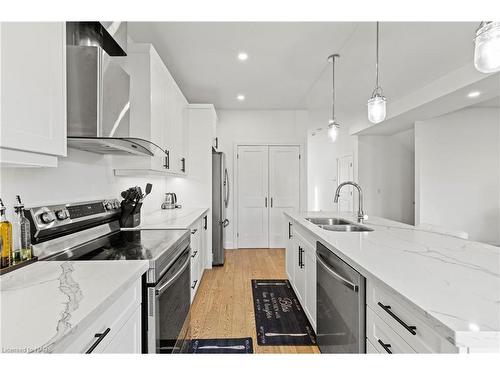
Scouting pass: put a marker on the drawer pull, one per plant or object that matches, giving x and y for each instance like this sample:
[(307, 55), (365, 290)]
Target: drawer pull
[(387, 347), (100, 337), (194, 253), (388, 310)]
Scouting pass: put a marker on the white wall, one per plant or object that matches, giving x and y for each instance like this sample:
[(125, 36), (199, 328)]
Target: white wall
[(79, 177), (458, 172), (386, 171), (259, 127), (322, 157)]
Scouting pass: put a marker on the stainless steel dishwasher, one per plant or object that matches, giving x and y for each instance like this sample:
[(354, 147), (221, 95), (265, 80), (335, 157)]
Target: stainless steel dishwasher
[(340, 305)]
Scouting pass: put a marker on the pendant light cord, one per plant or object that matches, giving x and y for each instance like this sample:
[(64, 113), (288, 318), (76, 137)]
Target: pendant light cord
[(376, 63), (333, 89)]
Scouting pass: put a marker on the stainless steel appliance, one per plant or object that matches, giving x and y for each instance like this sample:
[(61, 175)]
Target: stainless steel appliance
[(220, 200), (91, 231), (98, 103), (340, 304), (170, 201)]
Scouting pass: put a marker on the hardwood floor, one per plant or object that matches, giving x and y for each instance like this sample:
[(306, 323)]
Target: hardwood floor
[(223, 306)]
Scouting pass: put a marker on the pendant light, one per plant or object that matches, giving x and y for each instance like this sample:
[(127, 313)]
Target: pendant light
[(487, 47), (377, 103), (333, 125)]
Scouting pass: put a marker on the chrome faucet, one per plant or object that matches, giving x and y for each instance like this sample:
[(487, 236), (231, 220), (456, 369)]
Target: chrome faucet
[(361, 215)]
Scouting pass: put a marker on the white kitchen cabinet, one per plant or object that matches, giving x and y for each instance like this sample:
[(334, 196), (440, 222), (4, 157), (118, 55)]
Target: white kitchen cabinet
[(157, 114), (198, 255), (301, 268), (33, 93), (116, 330)]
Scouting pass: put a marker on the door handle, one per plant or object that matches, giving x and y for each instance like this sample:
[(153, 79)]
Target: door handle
[(194, 253), (205, 222), (100, 337), (183, 167), (265, 202), (271, 201), (167, 159), (343, 280), (289, 230), (194, 284), (225, 223)]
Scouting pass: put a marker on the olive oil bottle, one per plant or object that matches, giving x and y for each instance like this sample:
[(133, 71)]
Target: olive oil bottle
[(22, 234), (5, 238)]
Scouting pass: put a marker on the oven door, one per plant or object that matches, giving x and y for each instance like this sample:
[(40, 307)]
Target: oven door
[(172, 300)]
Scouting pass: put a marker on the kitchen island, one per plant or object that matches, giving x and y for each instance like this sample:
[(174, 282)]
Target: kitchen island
[(53, 307), (449, 285)]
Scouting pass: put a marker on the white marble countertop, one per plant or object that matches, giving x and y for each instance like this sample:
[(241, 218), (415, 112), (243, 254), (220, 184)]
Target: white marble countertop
[(454, 282), (43, 302), (178, 218)]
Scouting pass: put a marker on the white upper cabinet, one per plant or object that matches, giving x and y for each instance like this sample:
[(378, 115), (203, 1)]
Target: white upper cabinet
[(33, 93), (157, 113)]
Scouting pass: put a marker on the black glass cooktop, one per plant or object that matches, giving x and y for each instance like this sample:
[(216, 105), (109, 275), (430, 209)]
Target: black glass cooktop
[(128, 245)]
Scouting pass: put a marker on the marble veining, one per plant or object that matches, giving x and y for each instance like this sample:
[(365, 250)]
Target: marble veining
[(72, 290), (453, 283)]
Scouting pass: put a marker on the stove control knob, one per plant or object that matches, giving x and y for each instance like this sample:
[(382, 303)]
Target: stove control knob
[(47, 217), (62, 214)]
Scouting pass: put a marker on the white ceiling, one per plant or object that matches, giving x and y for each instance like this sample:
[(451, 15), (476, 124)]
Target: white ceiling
[(287, 67)]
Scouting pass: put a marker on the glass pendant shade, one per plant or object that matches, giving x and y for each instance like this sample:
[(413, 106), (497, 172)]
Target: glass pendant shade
[(377, 109), (333, 130), (487, 48)]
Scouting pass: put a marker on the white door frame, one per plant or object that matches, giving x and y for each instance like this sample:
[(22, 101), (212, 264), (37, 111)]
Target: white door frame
[(302, 174)]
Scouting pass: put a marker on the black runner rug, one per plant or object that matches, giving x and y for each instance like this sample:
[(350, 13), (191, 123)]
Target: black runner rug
[(279, 317), (221, 346)]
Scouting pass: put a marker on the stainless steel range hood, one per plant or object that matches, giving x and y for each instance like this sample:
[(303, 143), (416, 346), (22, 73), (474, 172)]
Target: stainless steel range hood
[(98, 88)]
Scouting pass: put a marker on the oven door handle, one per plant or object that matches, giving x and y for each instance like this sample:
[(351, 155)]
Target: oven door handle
[(170, 281)]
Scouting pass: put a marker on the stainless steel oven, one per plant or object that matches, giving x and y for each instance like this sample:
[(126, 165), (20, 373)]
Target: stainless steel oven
[(168, 307)]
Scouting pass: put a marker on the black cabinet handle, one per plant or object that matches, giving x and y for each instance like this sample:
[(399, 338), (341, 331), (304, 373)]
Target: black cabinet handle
[(183, 168), (385, 346), (194, 231), (100, 337), (205, 224), (194, 284), (216, 142), (289, 230), (194, 253), (167, 159), (271, 202), (301, 257), (388, 310), (265, 202)]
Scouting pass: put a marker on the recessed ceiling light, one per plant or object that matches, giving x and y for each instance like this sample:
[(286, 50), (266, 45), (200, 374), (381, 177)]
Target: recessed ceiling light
[(242, 56), (240, 97), (473, 94)]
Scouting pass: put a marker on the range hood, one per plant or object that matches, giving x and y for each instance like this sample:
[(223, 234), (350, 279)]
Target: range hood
[(98, 88)]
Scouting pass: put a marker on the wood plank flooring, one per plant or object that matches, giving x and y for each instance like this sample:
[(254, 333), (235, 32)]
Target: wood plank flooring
[(223, 306)]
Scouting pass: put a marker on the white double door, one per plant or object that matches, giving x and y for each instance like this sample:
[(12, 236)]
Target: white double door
[(268, 183)]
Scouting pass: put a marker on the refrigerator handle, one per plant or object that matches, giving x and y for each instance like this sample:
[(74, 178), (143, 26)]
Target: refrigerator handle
[(226, 187)]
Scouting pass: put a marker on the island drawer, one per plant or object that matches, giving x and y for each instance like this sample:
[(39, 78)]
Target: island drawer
[(405, 321), (107, 324), (383, 337)]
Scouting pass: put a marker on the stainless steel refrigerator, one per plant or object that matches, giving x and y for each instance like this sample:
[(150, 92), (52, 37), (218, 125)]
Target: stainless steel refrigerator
[(220, 199)]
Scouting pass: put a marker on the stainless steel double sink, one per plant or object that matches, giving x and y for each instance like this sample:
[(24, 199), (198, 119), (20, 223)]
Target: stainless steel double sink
[(338, 225)]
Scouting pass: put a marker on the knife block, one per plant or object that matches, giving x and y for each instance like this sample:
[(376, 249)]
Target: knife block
[(131, 215)]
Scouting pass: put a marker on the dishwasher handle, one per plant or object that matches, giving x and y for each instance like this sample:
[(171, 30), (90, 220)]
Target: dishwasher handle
[(343, 280)]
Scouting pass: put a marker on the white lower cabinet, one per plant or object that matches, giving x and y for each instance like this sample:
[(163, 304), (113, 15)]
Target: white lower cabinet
[(383, 337), (198, 254), (116, 330), (301, 269), (404, 320)]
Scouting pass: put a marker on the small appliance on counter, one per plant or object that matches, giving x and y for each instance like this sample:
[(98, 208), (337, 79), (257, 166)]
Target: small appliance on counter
[(170, 202), (131, 206)]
